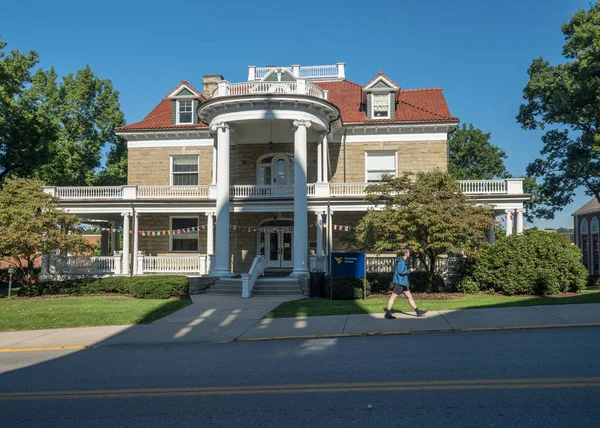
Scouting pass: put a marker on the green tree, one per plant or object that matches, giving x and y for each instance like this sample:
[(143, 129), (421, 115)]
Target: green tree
[(471, 155), (87, 110), (32, 225), (564, 99), (430, 215), (26, 123)]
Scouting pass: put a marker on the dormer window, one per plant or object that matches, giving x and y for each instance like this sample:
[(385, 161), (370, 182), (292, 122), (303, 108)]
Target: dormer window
[(381, 106), (184, 111)]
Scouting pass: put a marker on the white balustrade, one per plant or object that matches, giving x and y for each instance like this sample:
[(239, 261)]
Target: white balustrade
[(304, 72), (317, 263), (482, 186), (310, 189), (248, 279), (250, 88), (90, 192), (85, 264), (347, 189), (170, 192), (260, 191), (176, 264), (381, 263)]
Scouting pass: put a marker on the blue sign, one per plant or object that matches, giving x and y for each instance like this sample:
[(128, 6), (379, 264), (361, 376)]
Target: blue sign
[(348, 265)]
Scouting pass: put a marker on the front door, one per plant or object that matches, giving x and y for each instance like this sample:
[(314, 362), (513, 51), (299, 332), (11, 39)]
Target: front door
[(278, 247)]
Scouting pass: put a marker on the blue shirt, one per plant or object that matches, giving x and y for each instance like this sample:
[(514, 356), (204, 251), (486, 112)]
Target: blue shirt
[(401, 272)]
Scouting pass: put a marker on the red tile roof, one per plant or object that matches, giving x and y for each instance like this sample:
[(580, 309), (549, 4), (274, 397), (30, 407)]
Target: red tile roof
[(418, 105)]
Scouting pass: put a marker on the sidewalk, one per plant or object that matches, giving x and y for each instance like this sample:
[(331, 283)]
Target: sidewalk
[(218, 319)]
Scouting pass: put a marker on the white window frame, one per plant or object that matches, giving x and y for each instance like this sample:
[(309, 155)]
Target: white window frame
[(395, 152), (177, 118), (188, 235), (289, 158), (197, 157), (375, 94)]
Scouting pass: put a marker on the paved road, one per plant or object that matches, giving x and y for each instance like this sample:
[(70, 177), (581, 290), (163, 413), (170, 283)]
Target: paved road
[(547, 378)]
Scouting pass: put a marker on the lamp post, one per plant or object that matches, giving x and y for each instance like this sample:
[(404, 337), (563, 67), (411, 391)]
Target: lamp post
[(11, 270)]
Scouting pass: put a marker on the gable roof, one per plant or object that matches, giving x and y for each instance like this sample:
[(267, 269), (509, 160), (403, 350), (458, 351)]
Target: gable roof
[(381, 75), (590, 207)]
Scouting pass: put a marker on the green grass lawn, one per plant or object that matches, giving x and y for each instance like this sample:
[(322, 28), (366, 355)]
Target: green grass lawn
[(59, 312), (315, 307)]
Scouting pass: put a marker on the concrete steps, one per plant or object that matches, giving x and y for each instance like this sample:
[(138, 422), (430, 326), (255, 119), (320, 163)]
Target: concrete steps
[(284, 286), (199, 284)]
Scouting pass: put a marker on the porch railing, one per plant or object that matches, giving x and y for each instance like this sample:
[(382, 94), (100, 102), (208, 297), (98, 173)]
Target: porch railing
[(301, 87), (482, 186), (168, 192), (173, 264), (347, 189), (248, 279), (85, 264), (317, 263), (90, 192), (262, 191)]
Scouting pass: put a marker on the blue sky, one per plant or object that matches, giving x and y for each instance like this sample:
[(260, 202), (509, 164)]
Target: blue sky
[(477, 51)]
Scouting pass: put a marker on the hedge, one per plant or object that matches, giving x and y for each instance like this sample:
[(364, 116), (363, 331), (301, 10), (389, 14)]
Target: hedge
[(346, 288), (141, 287), (533, 263)]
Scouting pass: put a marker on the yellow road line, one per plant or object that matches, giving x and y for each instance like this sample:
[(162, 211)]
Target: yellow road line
[(46, 348), (441, 385)]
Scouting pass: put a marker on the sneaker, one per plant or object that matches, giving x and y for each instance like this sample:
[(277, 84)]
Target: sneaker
[(420, 313), (388, 315)]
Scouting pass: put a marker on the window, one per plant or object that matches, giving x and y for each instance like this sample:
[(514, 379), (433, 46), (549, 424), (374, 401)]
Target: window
[(185, 171), (184, 112), (184, 241), (275, 169), (380, 163), (381, 106)]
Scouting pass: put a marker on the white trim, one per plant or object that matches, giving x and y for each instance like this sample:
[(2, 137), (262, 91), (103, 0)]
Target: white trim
[(583, 229), (379, 79), (177, 112), (376, 138), (171, 236), (171, 157), (183, 86), (201, 142), (395, 152)]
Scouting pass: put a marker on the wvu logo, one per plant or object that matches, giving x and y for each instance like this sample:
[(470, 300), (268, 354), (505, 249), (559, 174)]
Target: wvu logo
[(338, 260)]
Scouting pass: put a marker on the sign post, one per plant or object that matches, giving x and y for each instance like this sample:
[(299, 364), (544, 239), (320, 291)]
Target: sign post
[(349, 265), (11, 270)]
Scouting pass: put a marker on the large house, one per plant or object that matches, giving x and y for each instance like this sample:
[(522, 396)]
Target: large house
[(587, 235), (267, 174)]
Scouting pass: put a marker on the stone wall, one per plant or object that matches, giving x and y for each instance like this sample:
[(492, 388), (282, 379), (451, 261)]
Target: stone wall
[(151, 166), (159, 245)]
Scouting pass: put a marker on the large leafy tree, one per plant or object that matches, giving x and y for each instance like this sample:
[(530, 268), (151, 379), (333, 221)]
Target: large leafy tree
[(563, 99), (27, 126), (471, 155), (31, 224), (430, 215), (55, 129)]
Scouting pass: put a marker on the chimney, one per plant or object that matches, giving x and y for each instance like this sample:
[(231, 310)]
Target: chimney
[(209, 83)]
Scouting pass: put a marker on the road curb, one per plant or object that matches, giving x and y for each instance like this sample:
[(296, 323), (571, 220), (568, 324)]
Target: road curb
[(44, 348), (317, 336)]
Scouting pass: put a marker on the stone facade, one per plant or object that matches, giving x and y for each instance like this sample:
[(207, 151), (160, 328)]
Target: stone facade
[(152, 166), (159, 245)]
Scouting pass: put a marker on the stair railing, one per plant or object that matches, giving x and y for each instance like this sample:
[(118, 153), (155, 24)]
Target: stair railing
[(248, 279)]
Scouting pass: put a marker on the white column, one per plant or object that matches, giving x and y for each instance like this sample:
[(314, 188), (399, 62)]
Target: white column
[(210, 234), (136, 220), (319, 234), (222, 267), (519, 221), (320, 158), (330, 232), (214, 163), (125, 269), (509, 223), (114, 241), (300, 201), (325, 178)]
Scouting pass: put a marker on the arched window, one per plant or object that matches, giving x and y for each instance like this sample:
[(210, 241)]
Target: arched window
[(583, 231), (594, 231), (275, 169)]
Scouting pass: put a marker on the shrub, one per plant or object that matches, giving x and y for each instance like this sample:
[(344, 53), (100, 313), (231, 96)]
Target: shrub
[(420, 283), (468, 286), (535, 262), (381, 282), (593, 281), (346, 288), (143, 287)]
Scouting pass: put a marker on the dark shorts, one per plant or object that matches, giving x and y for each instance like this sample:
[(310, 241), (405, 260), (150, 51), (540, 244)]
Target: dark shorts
[(399, 289)]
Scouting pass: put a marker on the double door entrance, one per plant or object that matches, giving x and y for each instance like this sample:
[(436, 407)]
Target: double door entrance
[(276, 244)]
